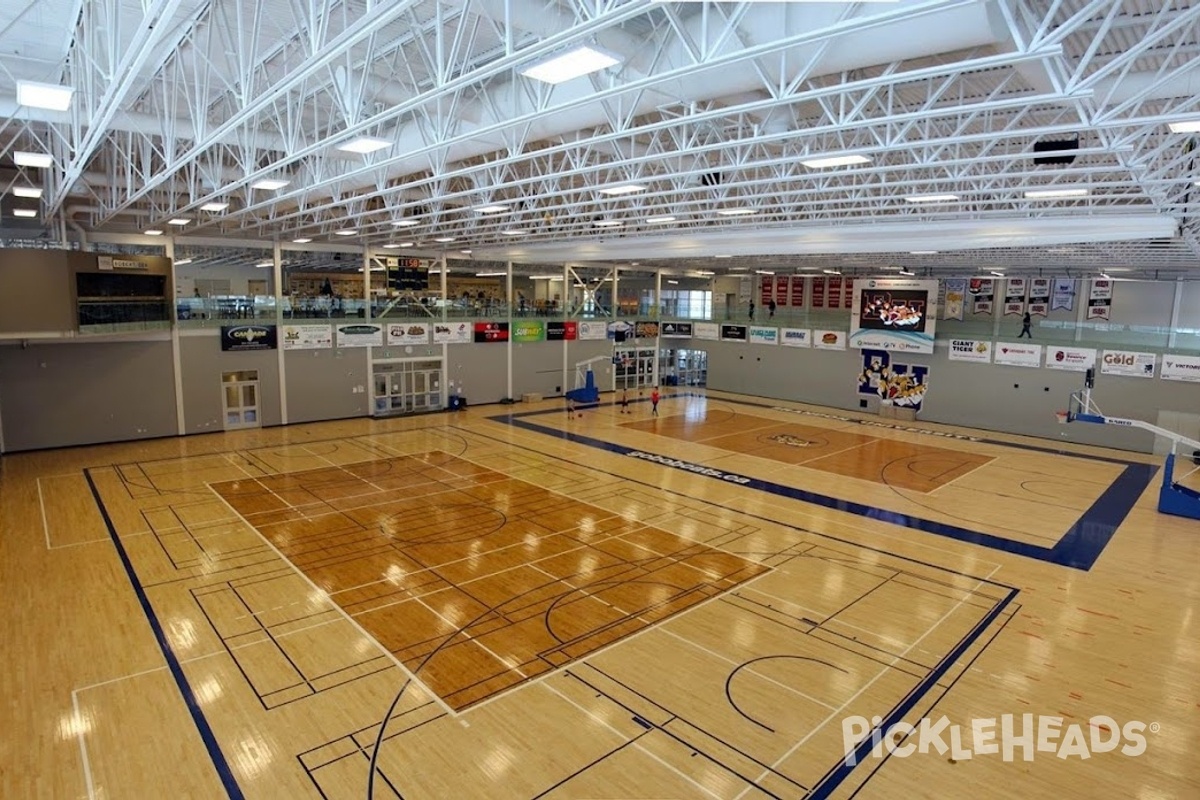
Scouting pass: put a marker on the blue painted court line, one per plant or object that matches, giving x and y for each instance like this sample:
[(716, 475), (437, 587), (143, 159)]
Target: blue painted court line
[(1078, 548), (189, 697)]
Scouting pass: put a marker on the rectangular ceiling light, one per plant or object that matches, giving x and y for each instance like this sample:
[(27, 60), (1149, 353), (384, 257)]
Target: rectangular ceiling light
[(997, 274), (178, 221), (183, 262), (265, 264), (465, 252), (608, 223), (923, 252), (907, 272), (496, 208), (301, 241), (764, 272), (27, 191), (574, 63), (1050, 194), (44, 95), (490, 274), (346, 232), (391, 246), (1188, 126), (737, 212), (40, 160), (514, 232), (931, 198), (24, 212), (269, 184), (404, 223), (659, 220), (214, 206), (705, 273), (623, 188), (406, 244), (835, 161), (363, 145), (153, 232), (831, 271), (444, 239)]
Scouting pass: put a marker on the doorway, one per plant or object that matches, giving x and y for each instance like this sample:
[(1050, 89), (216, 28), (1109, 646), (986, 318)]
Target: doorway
[(407, 387), (684, 367), (239, 399)]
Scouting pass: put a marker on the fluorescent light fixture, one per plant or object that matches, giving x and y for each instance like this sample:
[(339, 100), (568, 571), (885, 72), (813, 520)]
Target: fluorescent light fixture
[(44, 95), (153, 232), (574, 63), (265, 264), (40, 160), (660, 220), (705, 272), (831, 272), (723, 256), (764, 272), (907, 272), (465, 252), (183, 262), (923, 252), (834, 161), (363, 145), (345, 232), (24, 212), (391, 246), (998, 274), (404, 223), (931, 198), (27, 191), (1187, 126), (214, 206), (269, 184), (623, 188), (545, 277), (514, 232), (1049, 194), (608, 223), (301, 241), (737, 212), (495, 208), (673, 283), (178, 221), (444, 239), (1105, 276), (406, 244), (490, 274)]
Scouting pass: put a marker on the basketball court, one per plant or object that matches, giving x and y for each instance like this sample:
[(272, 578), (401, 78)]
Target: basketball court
[(527, 604)]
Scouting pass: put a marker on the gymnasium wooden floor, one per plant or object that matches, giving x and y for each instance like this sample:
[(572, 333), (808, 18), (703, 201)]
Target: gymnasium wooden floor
[(514, 603)]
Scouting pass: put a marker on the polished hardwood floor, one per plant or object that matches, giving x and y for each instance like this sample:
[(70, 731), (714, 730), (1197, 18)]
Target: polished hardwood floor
[(724, 601)]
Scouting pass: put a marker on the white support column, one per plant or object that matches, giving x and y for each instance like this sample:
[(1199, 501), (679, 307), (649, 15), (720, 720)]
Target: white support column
[(277, 279), (1175, 306), (999, 287), (366, 273), (369, 351), (1080, 308), (445, 300), (616, 303), (658, 317), (508, 296), (566, 375), (176, 366)]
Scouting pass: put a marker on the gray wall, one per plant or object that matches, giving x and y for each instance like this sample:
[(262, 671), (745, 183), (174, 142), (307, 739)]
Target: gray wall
[(478, 371), (202, 362), (56, 394), (38, 292), (321, 384)]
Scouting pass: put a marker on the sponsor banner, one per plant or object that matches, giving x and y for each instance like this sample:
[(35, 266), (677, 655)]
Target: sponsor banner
[(108, 262), (359, 336), (956, 298), (1039, 297), (408, 333), (307, 337), (768, 289), (894, 314), (562, 331), (528, 330), (760, 334), (781, 289), (491, 331), (1014, 296), (248, 337), (818, 291), (452, 332), (795, 337), (1018, 354), (676, 330), (707, 330), (646, 330), (971, 350), (591, 330), (1064, 294), (829, 340), (833, 292), (1100, 299), (797, 292), (1181, 368), (898, 385), (734, 333), (1072, 359), (619, 330), (1123, 362), (982, 295)]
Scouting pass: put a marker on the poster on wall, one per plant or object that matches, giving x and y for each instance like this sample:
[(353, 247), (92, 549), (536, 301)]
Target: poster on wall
[(1064, 294), (734, 333), (1014, 296), (982, 295), (590, 330), (972, 350), (897, 384), (1071, 359), (1130, 364), (956, 297), (360, 336), (833, 292), (562, 331), (236, 338), (707, 330), (408, 333), (894, 314), (676, 330), (1181, 368), (797, 292), (829, 340), (307, 337), (1100, 299), (795, 337), (1018, 354), (452, 332), (1039, 297), (760, 334), (491, 331), (528, 330), (818, 291), (781, 290)]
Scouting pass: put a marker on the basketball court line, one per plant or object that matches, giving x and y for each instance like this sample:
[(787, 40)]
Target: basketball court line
[(83, 752)]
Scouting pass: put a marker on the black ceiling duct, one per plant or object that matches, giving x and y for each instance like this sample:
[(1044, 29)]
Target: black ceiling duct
[(1057, 152), (710, 179)]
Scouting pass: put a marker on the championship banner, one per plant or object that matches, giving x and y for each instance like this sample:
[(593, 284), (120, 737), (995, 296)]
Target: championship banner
[(591, 330), (899, 385), (982, 295), (760, 334), (307, 337), (707, 330), (795, 337), (1100, 299), (768, 286), (818, 291), (1039, 297), (359, 336), (848, 294), (645, 330), (1134, 365), (829, 340), (894, 314), (452, 332), (1071, 359), (1064, 294), (956, 298), (1181, 368), (734, 333), (248, 337), (1014, 296), (781, 290), (528, 330), (562, 331), (1018, 354), (408, 333), (833, 292), (797, 292), (676, 330), (972, 350), (491, 331)]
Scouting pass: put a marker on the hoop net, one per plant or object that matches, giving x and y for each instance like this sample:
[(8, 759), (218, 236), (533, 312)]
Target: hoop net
[(1063, 417)]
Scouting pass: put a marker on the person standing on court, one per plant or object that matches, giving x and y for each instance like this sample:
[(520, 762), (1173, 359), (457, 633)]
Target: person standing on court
[(654, 398), (624, 401), (751, 310), (771, 310), (1026, 321)]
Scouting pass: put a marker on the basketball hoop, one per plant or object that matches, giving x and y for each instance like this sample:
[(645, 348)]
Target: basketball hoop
[(1063, 417)]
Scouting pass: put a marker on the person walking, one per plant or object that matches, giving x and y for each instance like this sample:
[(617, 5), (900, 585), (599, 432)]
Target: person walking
[(771, 310), (624, 401), (654, 398), (1026, 321), (751, 310)]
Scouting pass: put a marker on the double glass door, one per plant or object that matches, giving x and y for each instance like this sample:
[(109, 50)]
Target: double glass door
[(684, 367), (239, 399), (407, 387)]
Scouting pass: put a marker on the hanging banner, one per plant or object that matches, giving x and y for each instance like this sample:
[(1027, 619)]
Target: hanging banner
[(562, 331), (491, 331), (971, 350), (848, 294), (360, 336), (797, 292), (781, 290), (833, 292), (1100, 299), (818, 291), (956, 297), (248, 337), (760, 334), (795, 337), (1039, 297), (1134, 365), (408, 333), (1181, 368), (451, 332), (528, 330), (1017, 354), (707, 330), (676, 330), (593, 330), (1071, 359), (829, 340), (1064, 294), (982, 295), (894, 314), (768, 289), (307, 337), (1014, 296)]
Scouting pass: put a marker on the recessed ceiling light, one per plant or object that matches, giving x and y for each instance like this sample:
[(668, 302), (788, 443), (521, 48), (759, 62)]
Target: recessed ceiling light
[(931, 198), (608, 223), (1187, 126), (301, 241), (737, 212), (178, 221), (623, 188), (514, 232), (345, 232), (40, 160), (831, 272), (153, 232), (265, 264), (27, 191), (495, 208), (573, 63), (269, 184), (1049, 194), (214, 206), (923, 252), (44, 95), (444, 239), (659, 220), (834, 161), (24, 212), (363, 145), (404, 223)]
